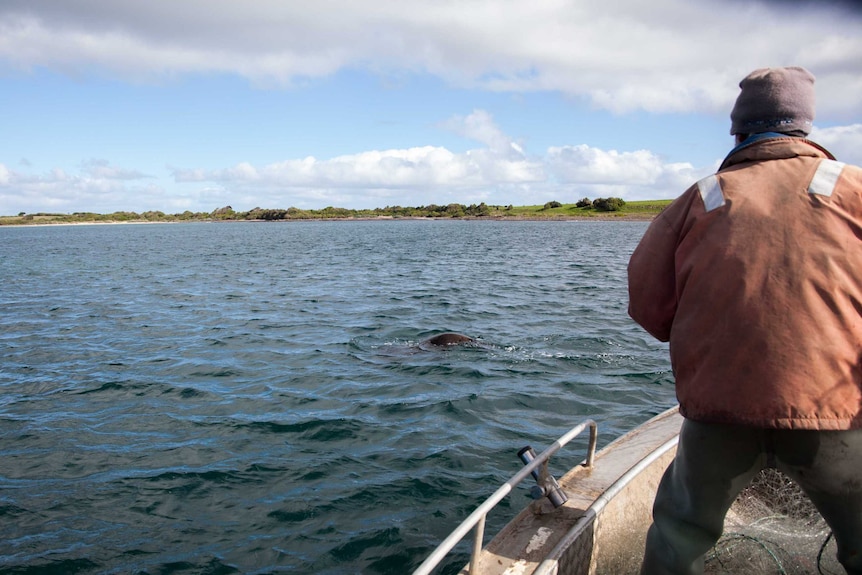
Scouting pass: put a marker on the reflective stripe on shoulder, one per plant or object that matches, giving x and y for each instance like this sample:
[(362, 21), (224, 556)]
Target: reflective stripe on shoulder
[(825, 178), (710, 192)]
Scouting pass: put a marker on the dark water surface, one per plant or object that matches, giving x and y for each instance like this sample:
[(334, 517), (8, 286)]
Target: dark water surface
[(251, 398)]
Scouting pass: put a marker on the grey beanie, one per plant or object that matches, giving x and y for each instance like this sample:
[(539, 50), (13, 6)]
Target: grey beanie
[(774, 100)]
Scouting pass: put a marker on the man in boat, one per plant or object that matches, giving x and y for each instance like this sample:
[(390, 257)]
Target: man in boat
[(754, 276)]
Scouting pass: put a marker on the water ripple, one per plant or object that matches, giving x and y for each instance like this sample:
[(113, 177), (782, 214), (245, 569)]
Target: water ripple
[(249, 398)]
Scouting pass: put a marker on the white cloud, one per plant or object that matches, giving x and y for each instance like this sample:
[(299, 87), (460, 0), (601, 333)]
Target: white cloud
[(592, 165), (845, 142), (97, 187), (427, 171), (480, 127), (497, 173), (425, 168), (101, 170), (639, 174), (661, 56)]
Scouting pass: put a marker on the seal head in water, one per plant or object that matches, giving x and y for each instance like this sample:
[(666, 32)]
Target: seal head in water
[(449, 339)]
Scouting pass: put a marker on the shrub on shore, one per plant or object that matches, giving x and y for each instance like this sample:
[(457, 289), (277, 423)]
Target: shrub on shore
[(608, 204)]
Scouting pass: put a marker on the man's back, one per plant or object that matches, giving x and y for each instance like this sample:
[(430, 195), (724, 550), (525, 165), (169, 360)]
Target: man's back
[(764, 315), (754, 275)]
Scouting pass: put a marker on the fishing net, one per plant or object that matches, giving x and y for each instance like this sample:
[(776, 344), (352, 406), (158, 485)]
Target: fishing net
[(774, 528)]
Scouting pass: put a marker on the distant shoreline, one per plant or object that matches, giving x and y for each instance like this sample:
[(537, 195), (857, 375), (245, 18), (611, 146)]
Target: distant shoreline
[(600, 209), (597, 218)]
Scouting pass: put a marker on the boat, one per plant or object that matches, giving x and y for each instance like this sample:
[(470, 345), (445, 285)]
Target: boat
[(593, 520)]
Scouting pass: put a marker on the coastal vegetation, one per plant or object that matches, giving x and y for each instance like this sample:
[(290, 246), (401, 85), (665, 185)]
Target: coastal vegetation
[(599, 208)]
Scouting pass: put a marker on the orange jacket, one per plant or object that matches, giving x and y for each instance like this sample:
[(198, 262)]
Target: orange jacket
[(754, 275)]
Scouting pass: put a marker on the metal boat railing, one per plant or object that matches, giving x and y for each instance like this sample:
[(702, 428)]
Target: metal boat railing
[(477, 518), (551, 565)]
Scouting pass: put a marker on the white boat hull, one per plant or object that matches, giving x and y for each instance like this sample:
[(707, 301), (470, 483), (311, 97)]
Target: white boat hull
[(601, 528)]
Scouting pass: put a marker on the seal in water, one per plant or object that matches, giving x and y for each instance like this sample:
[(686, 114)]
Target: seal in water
[(450, 338)]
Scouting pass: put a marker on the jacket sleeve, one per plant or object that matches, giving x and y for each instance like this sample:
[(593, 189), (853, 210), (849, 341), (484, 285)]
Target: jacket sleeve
[(652, 277)]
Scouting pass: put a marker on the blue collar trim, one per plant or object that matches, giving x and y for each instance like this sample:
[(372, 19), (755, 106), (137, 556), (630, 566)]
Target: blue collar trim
[(754, 138)]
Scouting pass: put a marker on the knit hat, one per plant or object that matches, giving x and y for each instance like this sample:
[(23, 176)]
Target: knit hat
[(774, 100)]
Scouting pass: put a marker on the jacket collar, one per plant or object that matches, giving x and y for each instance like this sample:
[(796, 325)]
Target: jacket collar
[(773, 146)]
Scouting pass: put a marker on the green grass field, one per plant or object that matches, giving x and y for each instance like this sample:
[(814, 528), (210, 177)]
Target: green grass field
[(642, 209)]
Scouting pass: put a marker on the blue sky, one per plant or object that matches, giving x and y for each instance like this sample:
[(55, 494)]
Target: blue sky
[(195, 105)]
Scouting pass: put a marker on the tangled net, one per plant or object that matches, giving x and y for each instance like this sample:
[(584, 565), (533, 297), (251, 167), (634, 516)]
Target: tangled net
[(774, 528)]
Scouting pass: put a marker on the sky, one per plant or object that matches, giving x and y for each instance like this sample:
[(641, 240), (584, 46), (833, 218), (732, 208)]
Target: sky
[(176, 105)]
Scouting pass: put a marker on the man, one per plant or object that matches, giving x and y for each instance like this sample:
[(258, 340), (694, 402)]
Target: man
[(754, 276)]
